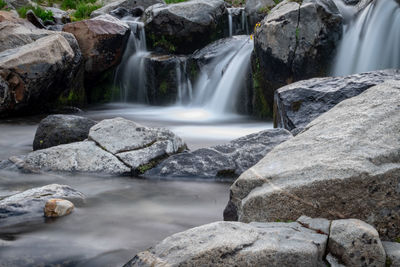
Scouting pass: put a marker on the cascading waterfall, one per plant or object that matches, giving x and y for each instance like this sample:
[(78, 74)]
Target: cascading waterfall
[(184, 90), (217, 89), (130, 76), (237, 21), (371, 40)]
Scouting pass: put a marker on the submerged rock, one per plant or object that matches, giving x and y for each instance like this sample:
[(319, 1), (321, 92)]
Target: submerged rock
[(222, 161), (356, 243), (294, 42), (299, 103), (238, 244), (61, 129), (37, 67), (28, 206), (345, 164), (56, 207), (184, 27), (102, 41)]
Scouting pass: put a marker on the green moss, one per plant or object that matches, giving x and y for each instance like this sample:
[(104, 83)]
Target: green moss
[(103, 89), (288, 221), (164, 87), (174, 1), (397, 240), (296, 106), (264, 10), (73, 98), (227, 173), (39, 12), (261, 107), (144, 168), (388, 262)]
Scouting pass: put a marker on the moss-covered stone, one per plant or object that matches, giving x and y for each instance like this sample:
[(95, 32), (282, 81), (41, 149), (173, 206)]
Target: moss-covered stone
[(261, 108), (103, 90)]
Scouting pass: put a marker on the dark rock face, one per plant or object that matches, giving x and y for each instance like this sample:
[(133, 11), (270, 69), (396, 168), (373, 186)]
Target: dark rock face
[(55, 130), (299, 103), (31, 17), (28, 206), (222, 161), (37, 67), (257, 10), (184, 27), (102, 41), (292, 43), (131, 6)]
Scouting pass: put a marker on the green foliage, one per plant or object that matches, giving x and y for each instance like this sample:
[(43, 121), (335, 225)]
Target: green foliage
[(174, 1), (264, 10), (164, 43), (83, 10), (397, 240), (164, 87), (297, 34), (236, 3), (3, 4), (261, 107), (39, 12)]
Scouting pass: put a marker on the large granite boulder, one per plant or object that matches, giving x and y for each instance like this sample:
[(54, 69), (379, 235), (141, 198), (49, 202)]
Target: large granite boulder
[(102, 41), (28, 206), (37, 68), (238, 244), (222, 161), (345, 164), (55, 130), (299, 103), (184, 27), (294, 42), (114, 146), (128, 5), (356, 243)]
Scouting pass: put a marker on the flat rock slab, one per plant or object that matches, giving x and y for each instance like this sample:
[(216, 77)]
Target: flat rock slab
[(83, 156), (223, 161), (238, 244), (29, 205), (299, 103), (345, 164)]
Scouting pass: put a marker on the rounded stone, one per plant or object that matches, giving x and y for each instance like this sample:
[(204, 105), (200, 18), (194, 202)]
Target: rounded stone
[(58, 207)]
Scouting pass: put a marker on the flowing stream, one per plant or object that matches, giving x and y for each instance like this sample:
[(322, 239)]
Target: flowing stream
[(371, 38)]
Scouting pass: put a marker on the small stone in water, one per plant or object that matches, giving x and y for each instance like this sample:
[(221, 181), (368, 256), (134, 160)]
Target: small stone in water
[(58, 207)]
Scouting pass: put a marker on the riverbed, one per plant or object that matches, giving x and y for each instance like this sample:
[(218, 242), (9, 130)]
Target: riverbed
[(123, 215)]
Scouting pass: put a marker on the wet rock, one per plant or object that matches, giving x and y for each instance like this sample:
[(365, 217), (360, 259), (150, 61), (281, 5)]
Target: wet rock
[(55, 130), (38, 67), (184, 27), (237, 244), (257, 10), (31, 17), (56, 207), (102, 41), (136, 145), (392, 250), (299, 103), (345, 164), (130, 5), (356, 243), (294, 42), (83, 156), (222, 161), (28, 206)]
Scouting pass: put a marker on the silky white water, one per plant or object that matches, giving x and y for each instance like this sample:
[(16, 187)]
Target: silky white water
[(371, 38)]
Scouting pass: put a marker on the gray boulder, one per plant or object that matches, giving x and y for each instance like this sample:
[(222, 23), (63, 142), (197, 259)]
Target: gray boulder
[(356, 243), (37, 68), (294, 42), (238, 244), (55, 130), (222, 161), (392, 250), (59, 16), (126, 4), (83, 156), (184, 27), (137, 146), (299, 103), (28, 206), (345, 164)]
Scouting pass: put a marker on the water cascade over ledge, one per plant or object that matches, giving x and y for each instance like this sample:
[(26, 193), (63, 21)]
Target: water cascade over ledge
[(371, 40)]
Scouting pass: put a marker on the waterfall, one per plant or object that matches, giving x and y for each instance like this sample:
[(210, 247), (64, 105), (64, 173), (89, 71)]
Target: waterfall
[(184, 85), (218, 88), (237, 21), (230, 21), (371, 40), (130, 75)]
